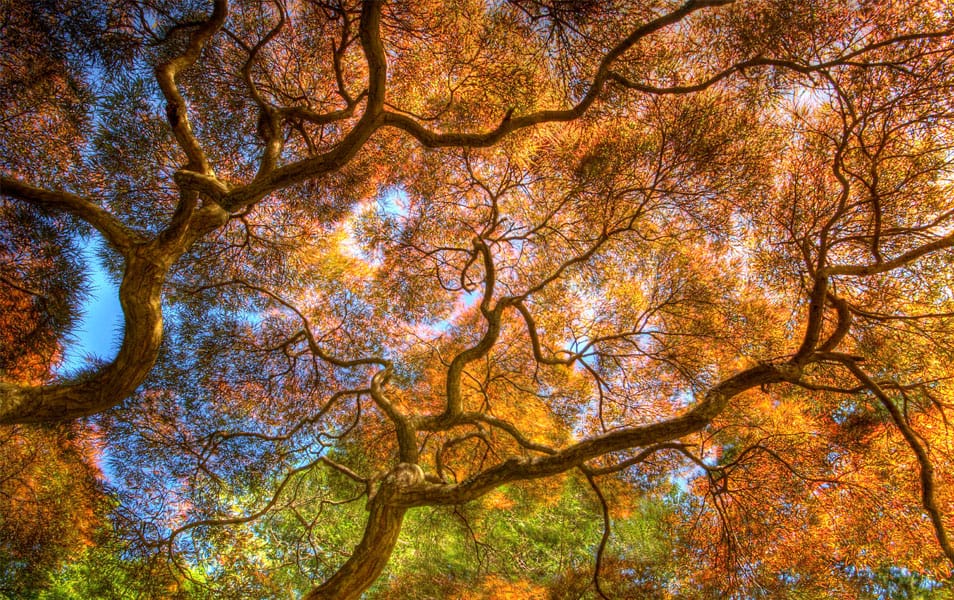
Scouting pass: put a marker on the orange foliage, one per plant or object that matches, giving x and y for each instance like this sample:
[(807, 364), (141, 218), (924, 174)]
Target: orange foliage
[(699, 251), (51, 501), (496, 587)]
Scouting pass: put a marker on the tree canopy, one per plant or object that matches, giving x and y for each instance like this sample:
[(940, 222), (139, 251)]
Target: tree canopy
[(636, 298)]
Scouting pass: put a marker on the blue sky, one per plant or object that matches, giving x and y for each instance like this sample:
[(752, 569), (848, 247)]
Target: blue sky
[(99, 331)]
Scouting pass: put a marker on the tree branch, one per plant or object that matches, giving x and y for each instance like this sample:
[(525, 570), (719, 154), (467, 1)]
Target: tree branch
[(908, 257), (112, 229), (515, 469), (928, 485), (337, 157), (139, 295), (509, 123), (176, 107)]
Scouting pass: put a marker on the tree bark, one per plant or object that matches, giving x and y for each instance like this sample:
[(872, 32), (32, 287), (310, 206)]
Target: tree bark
[(369, 557)]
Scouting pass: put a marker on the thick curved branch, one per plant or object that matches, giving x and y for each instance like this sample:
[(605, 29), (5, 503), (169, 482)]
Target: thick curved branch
[(381, 532), (368, 559), (535, 344), (515, 469), (509, 124), (404, 427), (454, 407), (373, 47), (111, 228), (176, 107), (266, 183), (842, 327), (376, 116), (139, 295)]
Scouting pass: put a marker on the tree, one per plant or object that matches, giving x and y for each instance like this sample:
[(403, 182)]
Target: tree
[(415, 253)]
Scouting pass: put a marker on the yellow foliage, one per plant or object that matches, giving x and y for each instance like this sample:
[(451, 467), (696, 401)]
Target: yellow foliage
[(498, 588)]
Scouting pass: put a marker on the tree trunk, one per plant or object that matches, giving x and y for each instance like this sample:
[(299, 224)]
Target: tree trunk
[(369, 557), (140, 295)]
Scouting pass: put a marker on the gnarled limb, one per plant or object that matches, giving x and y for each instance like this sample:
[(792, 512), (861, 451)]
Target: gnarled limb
[(405, 486), (269, 181), (176, 108), (387, 507), (516, 469), (147, 263), (454, 408), (112, 229), (140, 295)]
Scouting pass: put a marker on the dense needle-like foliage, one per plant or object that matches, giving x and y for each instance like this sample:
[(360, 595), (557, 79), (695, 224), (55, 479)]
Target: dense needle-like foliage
[(523, 298)]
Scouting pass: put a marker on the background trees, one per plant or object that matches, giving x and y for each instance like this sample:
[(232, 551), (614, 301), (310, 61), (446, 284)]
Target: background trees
[(679, 267)]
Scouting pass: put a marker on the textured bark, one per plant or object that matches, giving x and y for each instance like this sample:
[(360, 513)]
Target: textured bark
[(405, 485), (368, 559), (380, 535)]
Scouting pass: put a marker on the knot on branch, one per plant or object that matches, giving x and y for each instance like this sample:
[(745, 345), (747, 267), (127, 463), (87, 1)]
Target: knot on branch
[(516, 462), (206, 184), (403, 477)]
